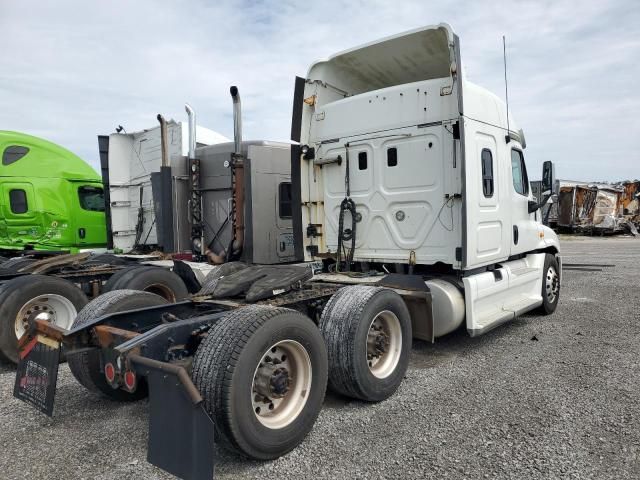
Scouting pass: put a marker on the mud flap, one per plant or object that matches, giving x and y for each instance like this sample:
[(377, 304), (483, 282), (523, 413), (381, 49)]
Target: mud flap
[(180, 430), (37, 374)]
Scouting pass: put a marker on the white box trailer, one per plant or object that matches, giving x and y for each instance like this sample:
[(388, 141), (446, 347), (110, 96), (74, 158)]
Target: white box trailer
[(411, 205)]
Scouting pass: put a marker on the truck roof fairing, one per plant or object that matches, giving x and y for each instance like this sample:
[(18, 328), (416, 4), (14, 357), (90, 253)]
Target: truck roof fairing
[(420, 54), (45, 159)]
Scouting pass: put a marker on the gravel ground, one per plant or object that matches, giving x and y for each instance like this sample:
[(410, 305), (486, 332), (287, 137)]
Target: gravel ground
[(503, 405)]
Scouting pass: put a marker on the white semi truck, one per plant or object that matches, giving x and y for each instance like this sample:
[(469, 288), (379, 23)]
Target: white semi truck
[(412, 209)]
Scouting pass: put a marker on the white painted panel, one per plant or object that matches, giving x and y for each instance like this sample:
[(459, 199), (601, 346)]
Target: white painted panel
[(419, 165), (489, 239), (385, 109), (403, 208), (494, 298)]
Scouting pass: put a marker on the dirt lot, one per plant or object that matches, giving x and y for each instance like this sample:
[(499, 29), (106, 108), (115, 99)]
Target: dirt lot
[(541, 397)]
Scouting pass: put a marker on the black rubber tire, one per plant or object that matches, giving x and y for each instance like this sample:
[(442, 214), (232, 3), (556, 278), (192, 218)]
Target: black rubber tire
[(86, 366), (3, 259), (11, 266), (15, 293), (211, 280), (223, 371), (344, 324), (151, 279), (116, 277), (548, 307)]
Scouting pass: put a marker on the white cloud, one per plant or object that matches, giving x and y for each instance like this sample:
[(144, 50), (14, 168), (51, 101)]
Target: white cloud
[(74, 69)]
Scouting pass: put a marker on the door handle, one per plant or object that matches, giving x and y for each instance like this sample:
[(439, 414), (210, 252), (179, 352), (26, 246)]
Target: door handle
[(515, 234), (82, 232)]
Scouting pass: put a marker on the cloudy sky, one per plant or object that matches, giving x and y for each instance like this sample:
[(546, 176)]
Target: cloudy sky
[(72, 69)]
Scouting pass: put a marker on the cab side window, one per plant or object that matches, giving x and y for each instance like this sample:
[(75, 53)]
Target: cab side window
[(487, 172), (284, 200), (18, 201), (13, 153), (91, 198), (519, 172)]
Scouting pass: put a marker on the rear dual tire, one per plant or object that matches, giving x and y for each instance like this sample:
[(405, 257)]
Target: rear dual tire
[(368, 335), (150, 279), (262, 408), (231, 366)]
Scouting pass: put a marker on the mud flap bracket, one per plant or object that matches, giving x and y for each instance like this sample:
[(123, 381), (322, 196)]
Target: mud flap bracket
[(180, 430)]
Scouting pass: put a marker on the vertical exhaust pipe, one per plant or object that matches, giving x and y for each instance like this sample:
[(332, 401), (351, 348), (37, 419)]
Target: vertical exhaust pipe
[(237, 119), (164, 146), (237, 175), (191, 114), (195, 201)]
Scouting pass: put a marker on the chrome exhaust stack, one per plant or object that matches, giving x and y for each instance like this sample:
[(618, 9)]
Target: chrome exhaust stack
[(164, 146), (195, 200), (237, 119), (237, 180), (191, 114)]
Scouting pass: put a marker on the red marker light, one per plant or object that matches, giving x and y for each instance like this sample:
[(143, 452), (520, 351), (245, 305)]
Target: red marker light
[(110, 372), (130, 380)]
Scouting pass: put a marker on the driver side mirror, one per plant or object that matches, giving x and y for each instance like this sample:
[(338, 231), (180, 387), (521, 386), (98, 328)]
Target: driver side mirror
[(548, 180), (548, 176)]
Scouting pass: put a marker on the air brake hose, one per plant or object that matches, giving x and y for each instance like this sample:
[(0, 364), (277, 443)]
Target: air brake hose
[(349, 234)]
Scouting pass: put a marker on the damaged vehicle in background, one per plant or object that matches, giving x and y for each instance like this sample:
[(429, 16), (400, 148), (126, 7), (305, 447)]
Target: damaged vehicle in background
[(594, 208)]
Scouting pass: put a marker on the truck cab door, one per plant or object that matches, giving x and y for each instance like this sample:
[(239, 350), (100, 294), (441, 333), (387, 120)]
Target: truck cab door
[(89, 216), (525, 227), (487, 200)]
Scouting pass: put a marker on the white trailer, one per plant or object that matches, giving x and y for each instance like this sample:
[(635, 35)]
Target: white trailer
[(412, 208)]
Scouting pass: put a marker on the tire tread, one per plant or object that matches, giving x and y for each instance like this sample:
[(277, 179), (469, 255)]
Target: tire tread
[(339, 324), (217, 358)]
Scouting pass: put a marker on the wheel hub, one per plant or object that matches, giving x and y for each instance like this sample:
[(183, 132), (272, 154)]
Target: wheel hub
[(377, 342), (52, 308), (281, 383), (552, 284), (272, 381), (384, 344)]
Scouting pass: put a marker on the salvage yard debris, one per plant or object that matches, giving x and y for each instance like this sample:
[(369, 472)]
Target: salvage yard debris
[(594, 208)]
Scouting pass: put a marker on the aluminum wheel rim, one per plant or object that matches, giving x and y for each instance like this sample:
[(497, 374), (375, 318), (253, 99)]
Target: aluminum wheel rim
[(551, 284), (53, 308), (271, 407), (384, 344)]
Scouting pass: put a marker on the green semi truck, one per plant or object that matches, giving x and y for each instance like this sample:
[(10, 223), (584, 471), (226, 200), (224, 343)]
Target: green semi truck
[(50, 199)]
